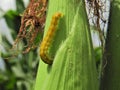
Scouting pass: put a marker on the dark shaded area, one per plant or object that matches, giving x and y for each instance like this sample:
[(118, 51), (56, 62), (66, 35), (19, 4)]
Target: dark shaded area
[(13, 20), (110, 79)]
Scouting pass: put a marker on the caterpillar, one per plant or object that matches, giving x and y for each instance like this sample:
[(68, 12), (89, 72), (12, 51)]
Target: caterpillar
[(47, 40)]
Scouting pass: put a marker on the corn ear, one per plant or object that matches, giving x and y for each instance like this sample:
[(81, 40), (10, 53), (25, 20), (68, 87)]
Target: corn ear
[(74, 65)]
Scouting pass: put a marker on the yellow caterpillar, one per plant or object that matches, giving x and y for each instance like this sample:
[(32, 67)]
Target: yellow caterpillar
[(47, 40)]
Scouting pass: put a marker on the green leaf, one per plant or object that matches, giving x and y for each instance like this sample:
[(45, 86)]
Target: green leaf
[(11, 17), (20, 6)]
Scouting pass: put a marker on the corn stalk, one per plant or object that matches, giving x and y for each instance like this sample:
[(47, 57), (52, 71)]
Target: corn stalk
[(111, 80)]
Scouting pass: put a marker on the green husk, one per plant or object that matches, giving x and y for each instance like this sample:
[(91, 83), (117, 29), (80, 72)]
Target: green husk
[(74, 64)]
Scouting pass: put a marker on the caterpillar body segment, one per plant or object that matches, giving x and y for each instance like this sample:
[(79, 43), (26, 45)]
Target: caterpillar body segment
[(47, 40)]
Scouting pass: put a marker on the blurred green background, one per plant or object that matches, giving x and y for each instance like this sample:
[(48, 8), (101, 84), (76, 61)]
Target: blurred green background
[(17, 70)]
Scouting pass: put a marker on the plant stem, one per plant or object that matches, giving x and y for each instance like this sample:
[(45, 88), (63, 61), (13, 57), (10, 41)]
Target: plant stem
[(111, 73)]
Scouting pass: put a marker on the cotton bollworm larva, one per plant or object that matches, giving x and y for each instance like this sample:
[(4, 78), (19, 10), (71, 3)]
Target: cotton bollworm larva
[(47, 40)]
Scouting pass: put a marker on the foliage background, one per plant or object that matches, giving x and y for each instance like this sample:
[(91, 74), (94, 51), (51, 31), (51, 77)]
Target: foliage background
[(18, 71)]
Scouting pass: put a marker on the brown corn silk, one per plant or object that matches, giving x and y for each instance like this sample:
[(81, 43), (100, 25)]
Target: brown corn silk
[(32, 23)]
